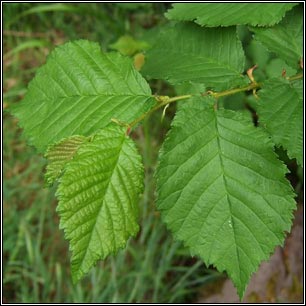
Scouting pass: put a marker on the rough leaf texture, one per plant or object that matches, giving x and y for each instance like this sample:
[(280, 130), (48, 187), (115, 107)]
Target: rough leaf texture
[(214, 15), (280, 111), (78, 91), (59, 154), (98, 198), (222, 190), (188, 52), (286, 38)]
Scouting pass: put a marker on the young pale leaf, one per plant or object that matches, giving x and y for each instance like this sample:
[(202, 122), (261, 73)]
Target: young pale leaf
[(78, 91), (98, 198), (127, 45), (222, 190), (286, 38), (280, 111), (59, 154), (214, 15), (187, 52)]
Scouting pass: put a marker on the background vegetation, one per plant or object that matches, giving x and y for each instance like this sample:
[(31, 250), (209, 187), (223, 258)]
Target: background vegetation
[(153, 268)]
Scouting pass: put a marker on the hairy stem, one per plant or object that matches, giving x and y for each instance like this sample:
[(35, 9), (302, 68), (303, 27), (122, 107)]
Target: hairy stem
[(252, 86), (164, 100), (229, 92), (296, 77)]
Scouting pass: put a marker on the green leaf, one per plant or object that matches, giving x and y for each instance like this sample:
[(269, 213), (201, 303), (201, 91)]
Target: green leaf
[(98, 198), (59, 154), (214, 15), (78, 91), (190, 87), (276, 66), (127, 45), (280, 111), (187, 52), (222, 190), (257, 54), (286, 38)]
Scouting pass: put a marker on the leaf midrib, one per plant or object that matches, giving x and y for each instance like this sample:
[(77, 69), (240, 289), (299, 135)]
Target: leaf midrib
[(98, 215), (226, 189)]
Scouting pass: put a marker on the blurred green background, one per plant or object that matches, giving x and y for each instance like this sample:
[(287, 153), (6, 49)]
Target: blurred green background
[(153, 268)]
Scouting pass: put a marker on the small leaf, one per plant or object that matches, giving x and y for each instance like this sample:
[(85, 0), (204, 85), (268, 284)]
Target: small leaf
[(187, 52), (78, 91), (98, 198), (225, 14), (59, 154), (139, 60), (222, 191), (286, 38), (127, 45), (280, 111)]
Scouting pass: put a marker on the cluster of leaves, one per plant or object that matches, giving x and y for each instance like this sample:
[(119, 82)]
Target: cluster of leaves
[(220, 187)]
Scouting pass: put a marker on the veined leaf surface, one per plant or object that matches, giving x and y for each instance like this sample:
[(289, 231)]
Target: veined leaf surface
[(98, 198), (222, 190), (59, 154), (78, 91), (189, 53), (227, 14), (286, 38), (280, 111)]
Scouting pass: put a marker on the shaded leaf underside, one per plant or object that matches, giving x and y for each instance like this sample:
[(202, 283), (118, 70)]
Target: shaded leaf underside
[(187, 52), (222, 191), (286, 38), (225, 14), (280, 111)]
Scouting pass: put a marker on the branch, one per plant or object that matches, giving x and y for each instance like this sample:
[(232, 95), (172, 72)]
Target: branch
[(165, 100), (253, 86), (295, 77), (162, 101), (233, 91)]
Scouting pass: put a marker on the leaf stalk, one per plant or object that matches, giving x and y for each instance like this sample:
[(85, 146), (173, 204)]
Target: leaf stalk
[(163, 101)]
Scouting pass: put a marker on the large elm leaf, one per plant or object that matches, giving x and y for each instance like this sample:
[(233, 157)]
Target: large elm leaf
[(78, 91), (98, 197), (187, 52), (222, 191), (286, 38), (227, 14), (280, 111)]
